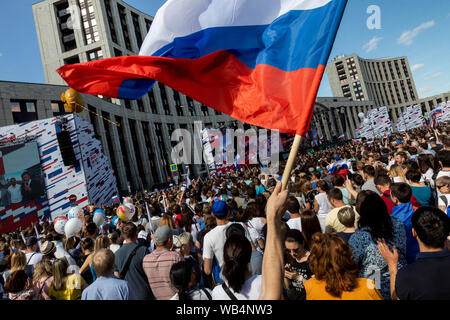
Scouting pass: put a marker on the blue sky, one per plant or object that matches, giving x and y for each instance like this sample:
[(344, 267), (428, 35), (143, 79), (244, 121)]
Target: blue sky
[(414, 28)]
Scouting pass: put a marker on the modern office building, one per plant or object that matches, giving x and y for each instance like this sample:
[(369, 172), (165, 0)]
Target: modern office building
[(386, 81)]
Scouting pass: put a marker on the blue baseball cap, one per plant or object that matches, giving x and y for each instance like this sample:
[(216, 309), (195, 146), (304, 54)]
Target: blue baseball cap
[(220, 209)]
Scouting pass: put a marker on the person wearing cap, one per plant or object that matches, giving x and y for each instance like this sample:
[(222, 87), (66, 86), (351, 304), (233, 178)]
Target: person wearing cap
[(214, 240), (157, 264), (32, 254)]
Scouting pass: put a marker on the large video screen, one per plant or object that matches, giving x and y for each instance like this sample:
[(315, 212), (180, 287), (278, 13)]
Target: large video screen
[(23, 197)]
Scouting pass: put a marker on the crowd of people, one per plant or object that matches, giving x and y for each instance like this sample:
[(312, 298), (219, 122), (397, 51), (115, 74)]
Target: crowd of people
[(366, 221)]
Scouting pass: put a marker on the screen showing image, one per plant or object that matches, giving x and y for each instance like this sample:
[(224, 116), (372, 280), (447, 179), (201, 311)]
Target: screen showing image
[(22, 188)]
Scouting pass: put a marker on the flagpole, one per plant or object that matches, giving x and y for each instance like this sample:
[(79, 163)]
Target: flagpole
[(291, 160)]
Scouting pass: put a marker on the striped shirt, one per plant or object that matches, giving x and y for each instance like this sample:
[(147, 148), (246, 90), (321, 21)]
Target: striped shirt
[(157, 266)]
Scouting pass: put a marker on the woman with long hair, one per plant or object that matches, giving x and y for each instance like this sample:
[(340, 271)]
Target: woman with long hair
[(375, 224), (426, 169), (397, 173), (18, 262), (296, 267), (335, 272), (310, 225), (240, 283), (185, 277), (310, 194), (65, 285), (42, 279), (18, 286)]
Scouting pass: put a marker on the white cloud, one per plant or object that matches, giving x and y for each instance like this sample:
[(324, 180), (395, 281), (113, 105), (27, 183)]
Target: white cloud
[(407, 37), (434, 76), (372, 44), (417, 67)]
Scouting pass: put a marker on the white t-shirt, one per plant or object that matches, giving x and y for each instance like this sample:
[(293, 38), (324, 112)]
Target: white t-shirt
[(295, 223), (16, 194), (61, 253), (214, 242), (254, 235), (428, 176), (398, 180), (195, 295), (257, 224), (251, 290), (324, 204), (442, 173), (33, 258), (114, 247)]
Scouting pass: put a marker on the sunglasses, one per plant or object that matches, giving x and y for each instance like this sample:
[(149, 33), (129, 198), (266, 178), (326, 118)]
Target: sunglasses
[(439, 187), (292, 250)]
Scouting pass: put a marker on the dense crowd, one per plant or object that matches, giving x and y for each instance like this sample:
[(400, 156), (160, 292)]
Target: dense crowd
[(366, 221)]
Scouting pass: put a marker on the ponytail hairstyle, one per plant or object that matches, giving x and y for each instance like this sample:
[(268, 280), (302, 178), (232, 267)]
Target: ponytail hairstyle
[(180, 276), (236, 253)]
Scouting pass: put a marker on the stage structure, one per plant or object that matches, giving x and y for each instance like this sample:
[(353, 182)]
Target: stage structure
[(49, 165)]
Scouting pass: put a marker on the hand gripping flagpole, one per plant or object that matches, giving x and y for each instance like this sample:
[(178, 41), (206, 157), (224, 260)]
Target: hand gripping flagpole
[(291, 160)]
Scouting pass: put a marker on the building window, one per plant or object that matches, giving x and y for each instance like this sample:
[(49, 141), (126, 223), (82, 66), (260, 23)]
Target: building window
[(123, 21), (162, 151), (191, 105), (112, 27), (150, 152), (58, 108), (204, 110), (137, 151), (93, 118), (151, 97), (65, 26), (23, 111), (72, 60), (148, 24), (125, 150), (140, 104), (176, 98), (137, 28), (127, 103), (165, 102), (117, 52), (95, 55), (90, 28)]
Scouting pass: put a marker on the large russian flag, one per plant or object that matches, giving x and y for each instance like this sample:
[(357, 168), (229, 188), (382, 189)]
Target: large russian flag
[(259, 61)]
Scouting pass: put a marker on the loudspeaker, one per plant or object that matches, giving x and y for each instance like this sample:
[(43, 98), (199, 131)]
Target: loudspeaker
[(66, 147)]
